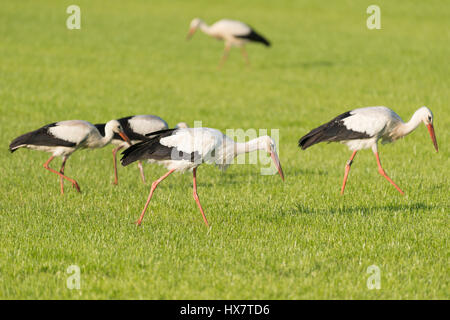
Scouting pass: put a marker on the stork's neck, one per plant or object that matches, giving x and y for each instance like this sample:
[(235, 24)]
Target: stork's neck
[(252, 145), (408, 127), (109, 134), (204, 27)]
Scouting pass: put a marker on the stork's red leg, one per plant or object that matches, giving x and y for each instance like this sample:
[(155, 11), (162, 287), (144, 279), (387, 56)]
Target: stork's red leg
[(116, 178), (152, 189), (226, 52), (347, 170), (74, 183), (141, 170), (381, 171), (245, 55), (196, 197), (61, 179)]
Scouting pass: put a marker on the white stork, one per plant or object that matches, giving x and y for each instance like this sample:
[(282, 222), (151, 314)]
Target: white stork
[(186, 149), (135, 128), (64, 138), (232, 32), (362, 128)]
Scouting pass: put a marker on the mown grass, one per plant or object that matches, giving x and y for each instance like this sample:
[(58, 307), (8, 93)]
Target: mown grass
[(268, 240)]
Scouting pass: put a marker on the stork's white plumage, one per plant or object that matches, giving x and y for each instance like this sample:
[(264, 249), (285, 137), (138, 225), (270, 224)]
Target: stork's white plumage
[(186, 149), (64, 138), (234, 33), (135, 127), (362, 128)]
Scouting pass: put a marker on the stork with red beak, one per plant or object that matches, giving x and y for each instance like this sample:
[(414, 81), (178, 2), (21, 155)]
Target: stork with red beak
[(234, 34), (63, 138), (362, 128), (187, 148), (135, 128)]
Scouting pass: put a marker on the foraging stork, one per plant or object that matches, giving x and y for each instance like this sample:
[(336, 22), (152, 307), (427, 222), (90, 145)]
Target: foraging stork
[(362, 128), (64, 138), (186, 149), (135, 128), (232, 32)]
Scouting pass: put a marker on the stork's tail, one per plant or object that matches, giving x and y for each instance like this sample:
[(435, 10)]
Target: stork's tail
[(314, 136), (256, 37), (20, 141), (135, 152), (261, 39), (147, 149)]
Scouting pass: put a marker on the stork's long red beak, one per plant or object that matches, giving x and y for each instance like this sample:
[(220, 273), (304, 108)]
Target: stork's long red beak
[(125, 137), (277, 163), (191, 33), (433, 136)]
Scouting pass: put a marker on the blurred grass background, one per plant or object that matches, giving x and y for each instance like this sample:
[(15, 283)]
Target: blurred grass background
[(269, 240)]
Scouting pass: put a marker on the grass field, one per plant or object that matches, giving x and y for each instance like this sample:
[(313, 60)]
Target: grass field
[(269, 240)]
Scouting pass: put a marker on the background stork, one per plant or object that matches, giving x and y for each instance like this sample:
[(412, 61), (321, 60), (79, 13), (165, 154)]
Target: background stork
[(135, 128), (362, 128), (232, 32), (186, 149), (64, 138)]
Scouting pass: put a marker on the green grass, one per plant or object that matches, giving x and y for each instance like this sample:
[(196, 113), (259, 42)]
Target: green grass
[(268, 240)]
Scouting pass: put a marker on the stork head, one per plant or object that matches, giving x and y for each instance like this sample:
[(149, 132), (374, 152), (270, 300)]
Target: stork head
[(195, 24), (427, 118), (115, 127), (181, 125), (268, 144)]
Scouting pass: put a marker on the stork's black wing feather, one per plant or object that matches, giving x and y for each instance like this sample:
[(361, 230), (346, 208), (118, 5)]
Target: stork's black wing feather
[(148, 149), (126, 128), (128, 131), (39, 137), (152, 149), (101, 128), (332, 131), (255, 37), (161, 132)]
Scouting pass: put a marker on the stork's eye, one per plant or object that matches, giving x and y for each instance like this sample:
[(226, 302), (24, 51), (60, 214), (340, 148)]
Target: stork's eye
[(429, 118)]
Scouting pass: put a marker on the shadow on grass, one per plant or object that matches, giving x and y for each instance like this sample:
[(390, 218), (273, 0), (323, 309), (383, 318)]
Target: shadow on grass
[(304, 65), (413, 207), (316, 64), (308, 172)]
